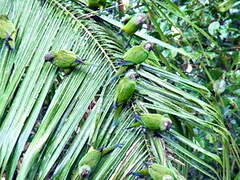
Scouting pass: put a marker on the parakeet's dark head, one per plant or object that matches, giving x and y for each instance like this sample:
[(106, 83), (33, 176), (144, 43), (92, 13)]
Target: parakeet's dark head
[(131, 74), (167, 124), (85, 171), (141, 18), (49, 57), (167, 177), (148, 46)]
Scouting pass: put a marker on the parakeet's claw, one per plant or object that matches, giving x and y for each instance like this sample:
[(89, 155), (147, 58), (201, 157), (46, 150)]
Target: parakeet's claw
[(8, 38), (118, 145), (114, 106), (123, 63), (136, 174), (157, 134), (136, 117), (119, 32), (146, 164), (100, 149)]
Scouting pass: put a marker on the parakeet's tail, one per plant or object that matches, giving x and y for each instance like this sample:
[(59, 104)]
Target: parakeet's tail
[(117, 113), (133, 125), (119, 73), (110, 149), (83, 61)]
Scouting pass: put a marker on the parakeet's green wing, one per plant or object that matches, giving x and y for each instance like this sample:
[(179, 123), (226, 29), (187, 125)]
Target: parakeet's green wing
[(125, 90), (157, 171), (64, 59), (6, 28), (151, 121), (91, 159), (136, 55), (131, 26)]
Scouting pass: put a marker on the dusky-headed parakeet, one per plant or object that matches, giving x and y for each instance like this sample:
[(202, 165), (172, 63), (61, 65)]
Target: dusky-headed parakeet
[(89, 162), (156, 172), (226, 5), (124, 92), (96, 4), (134, 24), (64, 59), (137, 54), (134, 56), (8, 31), (154, 122)]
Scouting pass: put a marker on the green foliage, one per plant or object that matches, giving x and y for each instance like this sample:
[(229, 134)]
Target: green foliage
[(48, 121)]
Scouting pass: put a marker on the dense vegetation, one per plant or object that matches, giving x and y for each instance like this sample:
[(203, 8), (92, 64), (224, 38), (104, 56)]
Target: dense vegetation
[(49, 120)]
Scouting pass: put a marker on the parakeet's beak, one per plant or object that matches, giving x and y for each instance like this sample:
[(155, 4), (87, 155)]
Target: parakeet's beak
[(48, 57), (168, 125), (147, 164)]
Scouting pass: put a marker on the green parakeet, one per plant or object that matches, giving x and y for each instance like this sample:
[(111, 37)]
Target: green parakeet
[(64, 59), (124, 91), (95, 4), (156, 172), (89, 162), (154, 122), (134, 24), (226, 5), (134, 56), (8, 31), (137, 54), (160, 172)]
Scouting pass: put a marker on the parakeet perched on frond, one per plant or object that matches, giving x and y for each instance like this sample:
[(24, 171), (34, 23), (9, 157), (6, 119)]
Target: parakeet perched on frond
[(154, 122), (137, 54), (8, 31), (124, 91), (134, 24), (96, 4), (89, 162), (64, 59), (156, 172), (134, 56), (226, 5)]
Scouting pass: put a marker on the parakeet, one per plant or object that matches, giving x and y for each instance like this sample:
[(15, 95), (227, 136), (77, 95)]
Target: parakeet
[(154, 122), (134, 56), (89, 162), (134, 24), (156, 172), (64, 59), (226, 5), (124, 91), (137, 54), (96, 4), (8, 31)]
